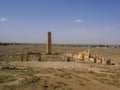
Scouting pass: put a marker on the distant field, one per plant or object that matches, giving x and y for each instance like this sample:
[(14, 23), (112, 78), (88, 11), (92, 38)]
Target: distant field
[(111, 52)]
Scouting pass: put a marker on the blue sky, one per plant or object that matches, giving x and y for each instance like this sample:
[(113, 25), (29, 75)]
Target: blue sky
[(70, 21)]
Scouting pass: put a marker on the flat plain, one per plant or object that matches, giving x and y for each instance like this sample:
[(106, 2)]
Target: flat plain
[(53, 73)]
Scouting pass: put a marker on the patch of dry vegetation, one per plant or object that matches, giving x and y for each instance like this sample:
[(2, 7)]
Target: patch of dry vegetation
[(86, 76)]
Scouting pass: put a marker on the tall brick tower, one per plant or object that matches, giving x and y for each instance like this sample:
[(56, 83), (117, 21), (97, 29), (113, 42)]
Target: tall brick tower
[(49, 41)]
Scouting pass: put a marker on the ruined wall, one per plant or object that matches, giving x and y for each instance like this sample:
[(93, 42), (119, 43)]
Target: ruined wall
[(87, 57)]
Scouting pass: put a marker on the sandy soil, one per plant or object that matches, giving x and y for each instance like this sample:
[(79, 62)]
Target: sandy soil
[(91, 85)]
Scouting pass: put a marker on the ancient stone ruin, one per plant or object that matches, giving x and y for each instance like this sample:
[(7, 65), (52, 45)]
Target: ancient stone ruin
[(49, 41), (85, 56), (27, 55)]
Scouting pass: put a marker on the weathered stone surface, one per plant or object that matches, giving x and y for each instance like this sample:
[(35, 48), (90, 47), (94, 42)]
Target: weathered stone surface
[(80, 56), (108, 62), (28, 54), (49, 41), (103, 60)]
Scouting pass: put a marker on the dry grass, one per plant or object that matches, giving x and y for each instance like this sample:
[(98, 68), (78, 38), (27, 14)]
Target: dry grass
[(7, 52), (74, 76)]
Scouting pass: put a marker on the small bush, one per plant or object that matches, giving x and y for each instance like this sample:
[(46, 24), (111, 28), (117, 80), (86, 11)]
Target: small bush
[(91, 72), (101, 75), (31, 80), (4, 79), (44, 84), (61, 83)]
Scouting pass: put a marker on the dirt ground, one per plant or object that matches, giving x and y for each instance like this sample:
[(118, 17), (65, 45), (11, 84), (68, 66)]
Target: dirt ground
[(53, 73), (35, 75)]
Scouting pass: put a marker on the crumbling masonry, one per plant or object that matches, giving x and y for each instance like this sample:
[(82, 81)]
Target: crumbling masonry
[(88, 57), (49, 41)]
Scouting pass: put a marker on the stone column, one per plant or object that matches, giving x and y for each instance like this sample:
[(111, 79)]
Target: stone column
[(103, 60), (83, 56), (95, 58), (49, 41)]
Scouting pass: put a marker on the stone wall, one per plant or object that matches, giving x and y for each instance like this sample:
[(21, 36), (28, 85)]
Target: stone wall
[(88, 57)]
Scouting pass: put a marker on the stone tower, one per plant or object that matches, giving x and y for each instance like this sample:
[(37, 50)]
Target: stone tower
[(49, 41)]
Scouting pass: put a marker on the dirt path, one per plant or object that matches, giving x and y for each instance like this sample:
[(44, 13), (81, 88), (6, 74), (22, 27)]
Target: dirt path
[(56, 65)]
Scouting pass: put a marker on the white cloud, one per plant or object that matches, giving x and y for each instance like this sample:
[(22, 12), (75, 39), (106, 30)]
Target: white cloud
[(79, 20), (3, 19)]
